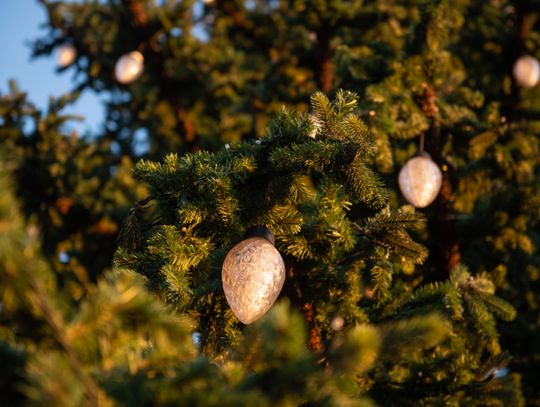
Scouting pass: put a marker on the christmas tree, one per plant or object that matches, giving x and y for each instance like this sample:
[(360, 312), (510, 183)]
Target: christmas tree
[(247, 126)]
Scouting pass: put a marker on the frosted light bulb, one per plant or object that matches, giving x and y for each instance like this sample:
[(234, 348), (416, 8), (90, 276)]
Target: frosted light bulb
[(129, 67), (337, 323), (527, 71), (253, 274), (67, 54), (420, 180)]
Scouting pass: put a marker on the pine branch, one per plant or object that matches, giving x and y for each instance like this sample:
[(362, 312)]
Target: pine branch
[(358, 351), (498, 306), (365, 183), (493, 364), (389, 230), (414, 334), (382, 279), (56, 324), (131, 234), (482, 317)]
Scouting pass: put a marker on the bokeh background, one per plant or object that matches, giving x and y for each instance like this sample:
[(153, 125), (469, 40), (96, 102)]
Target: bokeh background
[(20, 22)]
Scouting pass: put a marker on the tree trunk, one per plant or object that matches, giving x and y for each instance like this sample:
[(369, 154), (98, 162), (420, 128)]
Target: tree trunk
[(445, 253)]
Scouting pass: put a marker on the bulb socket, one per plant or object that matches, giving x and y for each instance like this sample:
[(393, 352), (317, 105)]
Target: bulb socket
[(260, 231)]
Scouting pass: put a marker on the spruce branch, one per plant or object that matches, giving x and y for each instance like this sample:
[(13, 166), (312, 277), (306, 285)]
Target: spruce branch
[(57, 326), (494, 363), (414, 334), (482, 318), (365, 183), (498, 306), (389, 230), (381, 276), (131, 233)]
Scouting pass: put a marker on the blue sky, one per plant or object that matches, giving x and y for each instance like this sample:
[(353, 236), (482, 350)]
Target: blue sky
[(20, 22)]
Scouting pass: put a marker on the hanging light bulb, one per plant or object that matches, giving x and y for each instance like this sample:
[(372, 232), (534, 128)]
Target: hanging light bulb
[(337, 323), (129, 67), (253, 274), (67, 54), (420, 180), (527, 71)]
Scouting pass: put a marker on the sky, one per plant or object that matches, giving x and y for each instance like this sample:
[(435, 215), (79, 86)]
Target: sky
[(20, 23)]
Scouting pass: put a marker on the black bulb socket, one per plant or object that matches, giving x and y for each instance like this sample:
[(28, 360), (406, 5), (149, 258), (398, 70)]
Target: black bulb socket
[(260, 231)]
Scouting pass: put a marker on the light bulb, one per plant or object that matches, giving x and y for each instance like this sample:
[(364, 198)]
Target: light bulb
[(253, 275), (129, 67), (527, 71), (420, 180), (67, 54), (337, 323)]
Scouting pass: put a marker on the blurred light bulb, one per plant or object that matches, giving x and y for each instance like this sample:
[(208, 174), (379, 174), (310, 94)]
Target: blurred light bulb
[(67, 54), (129, 67), (253, 275), (527, 71), (337, 323), (420, 180)]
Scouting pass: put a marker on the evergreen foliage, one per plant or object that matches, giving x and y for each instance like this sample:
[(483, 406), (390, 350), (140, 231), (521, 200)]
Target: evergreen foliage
[(341, 251), (120, 344), (382, 304), (75, 187)]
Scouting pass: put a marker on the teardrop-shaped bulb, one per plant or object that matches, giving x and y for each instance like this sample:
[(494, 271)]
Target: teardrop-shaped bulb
[(67, 54), (253, 275), (527, 71), (129, 67), (420, 180)]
